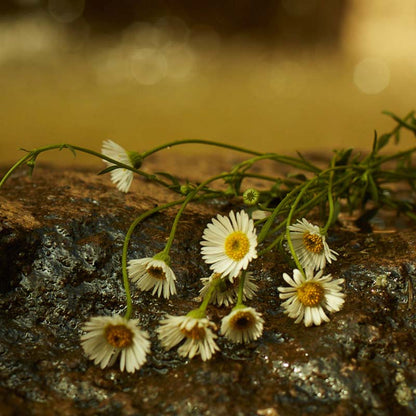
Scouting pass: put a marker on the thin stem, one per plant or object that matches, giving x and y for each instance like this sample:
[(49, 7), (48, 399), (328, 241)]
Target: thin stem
[(125, 248), (34, 153), (300, 163), (240, 293), (266, 226), (14, 167), (288, 222), (397, 155), (310, 203), (190, 196), (151, 177), (330, 200), (203, 307), (401, 122), (196, 141)]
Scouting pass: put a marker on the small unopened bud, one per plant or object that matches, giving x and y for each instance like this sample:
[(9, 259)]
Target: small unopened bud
[(251, 196), (184, 189)]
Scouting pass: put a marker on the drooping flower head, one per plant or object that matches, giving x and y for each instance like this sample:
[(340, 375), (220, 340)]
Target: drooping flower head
[(121, 177), (308, 297), (310, 245), (197, 333), (153, 273), (225, 292), (108, 337), (242, 324), (229, 243)]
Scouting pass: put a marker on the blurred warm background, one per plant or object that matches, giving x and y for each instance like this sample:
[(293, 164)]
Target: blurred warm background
[(278, 76)]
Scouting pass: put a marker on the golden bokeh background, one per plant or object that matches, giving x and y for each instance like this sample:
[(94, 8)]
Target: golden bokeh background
[(281, 76)]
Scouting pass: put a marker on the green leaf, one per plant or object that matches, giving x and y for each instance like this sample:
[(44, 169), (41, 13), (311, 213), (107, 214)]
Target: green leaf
[(343, 156), (373, 188), (25, 150), (69, 147), (383, 140)]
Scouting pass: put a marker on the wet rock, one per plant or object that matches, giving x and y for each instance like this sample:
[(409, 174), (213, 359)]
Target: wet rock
[(61, 239)]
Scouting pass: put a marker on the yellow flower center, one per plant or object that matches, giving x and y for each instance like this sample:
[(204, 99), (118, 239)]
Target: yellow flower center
[(156, 272), (313, 242), (242, 320), (310, 293), (196, 333), (236, 245), (118, 336)]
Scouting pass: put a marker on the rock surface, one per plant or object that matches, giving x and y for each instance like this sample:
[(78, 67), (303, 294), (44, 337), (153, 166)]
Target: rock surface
[(61, 239)]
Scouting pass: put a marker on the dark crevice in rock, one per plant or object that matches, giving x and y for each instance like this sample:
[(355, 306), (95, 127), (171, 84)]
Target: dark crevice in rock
[(17, 252)]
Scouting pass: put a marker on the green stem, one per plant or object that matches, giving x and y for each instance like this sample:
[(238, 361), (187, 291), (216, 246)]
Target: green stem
[(125, 248), (300, 163), (34, 153), (196, 141), (266, 226), (203, 307), (288, 222), (279, 210), (401, 123), (190, 196), (397, 155), (14, 167), (330, 200), (240, 293)]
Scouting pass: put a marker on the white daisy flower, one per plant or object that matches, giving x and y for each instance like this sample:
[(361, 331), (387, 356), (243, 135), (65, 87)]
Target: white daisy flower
[(122, 178), (225, 292), (197, 333), (242, 324), (151, 273), (310, 245), (107, 337), (308, 297), (229, 243)]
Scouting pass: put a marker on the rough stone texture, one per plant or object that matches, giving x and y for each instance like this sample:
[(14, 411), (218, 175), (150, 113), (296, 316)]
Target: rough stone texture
[(60, 248)]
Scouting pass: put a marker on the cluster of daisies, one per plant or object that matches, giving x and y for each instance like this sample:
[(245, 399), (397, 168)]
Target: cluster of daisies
[(229, 244)]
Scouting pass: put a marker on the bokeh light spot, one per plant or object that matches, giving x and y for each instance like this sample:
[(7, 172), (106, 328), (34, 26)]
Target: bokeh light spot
[(148, 66), (180, 60), (371, 75)]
